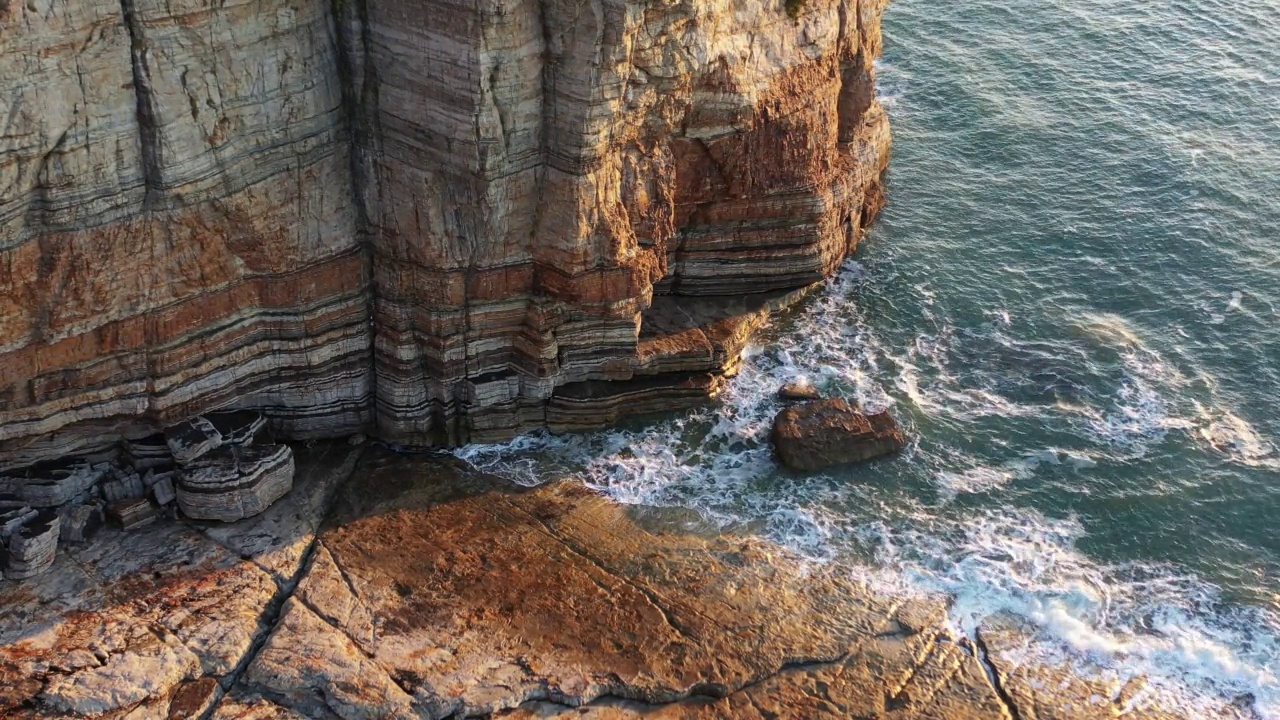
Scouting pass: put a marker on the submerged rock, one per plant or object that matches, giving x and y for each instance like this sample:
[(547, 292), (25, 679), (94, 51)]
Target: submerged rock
[(825, 433), (799, 391)]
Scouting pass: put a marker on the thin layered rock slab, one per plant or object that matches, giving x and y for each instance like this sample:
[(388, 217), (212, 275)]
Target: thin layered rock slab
[(33, 546), (232, 483)]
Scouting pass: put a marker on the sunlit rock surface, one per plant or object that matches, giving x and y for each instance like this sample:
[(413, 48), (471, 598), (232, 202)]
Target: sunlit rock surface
[(205, 206), (391, 586)]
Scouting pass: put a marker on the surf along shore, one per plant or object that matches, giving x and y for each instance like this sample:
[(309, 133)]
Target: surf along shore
[(410, 586)]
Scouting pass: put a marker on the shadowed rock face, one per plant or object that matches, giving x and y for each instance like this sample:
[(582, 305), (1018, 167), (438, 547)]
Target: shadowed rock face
[(436, 219), (411, 587)]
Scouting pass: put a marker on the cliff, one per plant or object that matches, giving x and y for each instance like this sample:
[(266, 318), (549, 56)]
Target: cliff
[(439, 221)]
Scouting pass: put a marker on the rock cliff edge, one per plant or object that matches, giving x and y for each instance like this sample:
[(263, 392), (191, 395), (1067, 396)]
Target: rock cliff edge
[(439, 221)]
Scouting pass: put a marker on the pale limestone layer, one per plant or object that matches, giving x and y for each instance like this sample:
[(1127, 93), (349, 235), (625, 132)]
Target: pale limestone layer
[(177, 225), (579, 159), (223, 206), (437, 592)]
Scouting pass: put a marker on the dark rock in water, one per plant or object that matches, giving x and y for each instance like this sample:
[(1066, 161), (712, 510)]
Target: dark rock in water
[(799, 391), (231, 482), (191, 439), (826, 433), (33, 547)]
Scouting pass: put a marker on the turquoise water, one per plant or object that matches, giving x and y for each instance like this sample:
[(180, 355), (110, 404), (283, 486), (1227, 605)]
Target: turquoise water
[(1073, 302)]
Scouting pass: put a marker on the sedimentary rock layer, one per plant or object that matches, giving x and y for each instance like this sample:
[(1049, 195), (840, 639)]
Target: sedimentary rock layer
[(177, 226), (435, 219)]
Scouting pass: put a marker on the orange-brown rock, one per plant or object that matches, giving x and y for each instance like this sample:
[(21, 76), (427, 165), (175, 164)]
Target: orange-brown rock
[(824, 433), (435, 220), (436, 592)]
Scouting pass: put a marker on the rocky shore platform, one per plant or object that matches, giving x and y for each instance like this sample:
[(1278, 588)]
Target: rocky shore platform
[(411, 586)]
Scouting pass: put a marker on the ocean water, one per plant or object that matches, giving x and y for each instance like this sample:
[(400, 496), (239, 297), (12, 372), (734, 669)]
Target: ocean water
[(1073, 304)]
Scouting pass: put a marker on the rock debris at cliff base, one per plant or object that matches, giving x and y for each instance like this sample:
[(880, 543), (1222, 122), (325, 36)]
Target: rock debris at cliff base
[(226, 205), (214, 467), (432, 591)]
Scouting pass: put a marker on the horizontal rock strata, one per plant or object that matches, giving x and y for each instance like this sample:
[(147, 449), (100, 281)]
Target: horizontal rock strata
[(437, 592), (436, 221), (215, 468), (32, 546), (232, 482)]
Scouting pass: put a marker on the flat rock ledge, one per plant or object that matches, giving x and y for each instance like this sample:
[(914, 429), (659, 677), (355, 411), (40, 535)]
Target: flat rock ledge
[(825, 433), (392, 586)]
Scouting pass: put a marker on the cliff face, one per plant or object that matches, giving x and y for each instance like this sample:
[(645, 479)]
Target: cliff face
[(450, 221)]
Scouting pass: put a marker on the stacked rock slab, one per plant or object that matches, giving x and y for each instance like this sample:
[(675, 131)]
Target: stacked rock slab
[(222, 474), (131, 513), (33, 546), (55, 484), (274, 204)]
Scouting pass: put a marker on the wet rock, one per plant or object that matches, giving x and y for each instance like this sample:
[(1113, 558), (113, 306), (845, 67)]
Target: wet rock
[(232, 482), (799, 391), (826, 433), (33, 546)]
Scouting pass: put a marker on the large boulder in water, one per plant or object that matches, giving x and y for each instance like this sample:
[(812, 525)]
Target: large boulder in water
[(826, 433)]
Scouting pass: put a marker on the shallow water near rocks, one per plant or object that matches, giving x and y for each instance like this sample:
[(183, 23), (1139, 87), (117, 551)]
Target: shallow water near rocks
[(1073, 303)]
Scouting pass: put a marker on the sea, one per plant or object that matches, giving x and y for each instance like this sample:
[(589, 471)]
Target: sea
[(1072, 304)]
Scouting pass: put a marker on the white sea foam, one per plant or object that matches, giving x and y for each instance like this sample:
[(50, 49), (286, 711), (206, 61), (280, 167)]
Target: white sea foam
[(1234, 436), (1110, 622), (1124, 621)]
